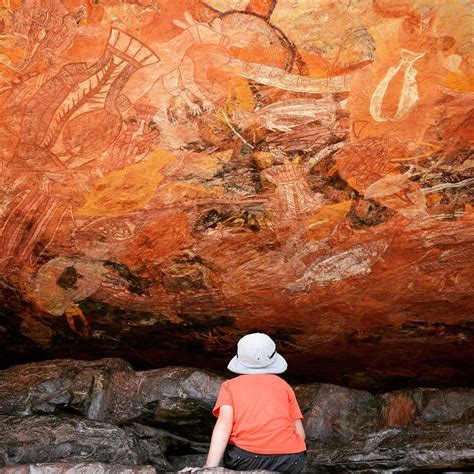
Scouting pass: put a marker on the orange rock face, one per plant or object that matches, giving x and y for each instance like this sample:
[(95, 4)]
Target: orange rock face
[(398, 410), (178, 173)]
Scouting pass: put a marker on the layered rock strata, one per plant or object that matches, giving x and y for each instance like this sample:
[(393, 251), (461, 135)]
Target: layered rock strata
[(71, 414)]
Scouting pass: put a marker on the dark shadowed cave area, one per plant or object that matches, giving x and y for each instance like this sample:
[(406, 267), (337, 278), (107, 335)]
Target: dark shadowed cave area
[(176, 174)]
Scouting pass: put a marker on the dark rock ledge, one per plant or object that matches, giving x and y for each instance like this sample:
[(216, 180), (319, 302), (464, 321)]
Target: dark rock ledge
[(70, 416), (97, 468)]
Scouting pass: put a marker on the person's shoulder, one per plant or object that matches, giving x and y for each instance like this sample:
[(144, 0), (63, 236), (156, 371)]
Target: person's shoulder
[(232, 381), (238, 379), (277, 380), (274, 377)]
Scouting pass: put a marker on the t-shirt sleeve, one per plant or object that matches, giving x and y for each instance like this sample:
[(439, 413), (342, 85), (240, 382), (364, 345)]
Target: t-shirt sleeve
[(295, 412), (224, 398)]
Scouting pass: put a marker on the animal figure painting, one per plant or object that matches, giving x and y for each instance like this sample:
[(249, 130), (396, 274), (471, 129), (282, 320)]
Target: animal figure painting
[(194, 168)]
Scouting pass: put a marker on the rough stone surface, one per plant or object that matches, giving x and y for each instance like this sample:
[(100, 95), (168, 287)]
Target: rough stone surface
[(39, 439), (180, 462), (153, 443), (77, 468), (177, 173), (162, 418), (305, 394), (101, 468), (223, 470), (46, 387), (109, 390), (447, 405), (397, 410), (51, 438), (339, 414), (430, 447), (429, 405), (181, 398)]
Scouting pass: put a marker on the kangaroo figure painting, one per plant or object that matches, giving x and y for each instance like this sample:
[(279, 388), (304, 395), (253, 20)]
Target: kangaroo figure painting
[(174, 75)]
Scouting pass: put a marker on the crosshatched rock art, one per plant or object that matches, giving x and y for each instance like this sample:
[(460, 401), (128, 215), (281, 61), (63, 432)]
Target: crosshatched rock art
[(175, 173)]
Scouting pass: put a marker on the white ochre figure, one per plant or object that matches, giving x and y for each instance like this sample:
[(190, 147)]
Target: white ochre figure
[(293, 194), (409, 93)]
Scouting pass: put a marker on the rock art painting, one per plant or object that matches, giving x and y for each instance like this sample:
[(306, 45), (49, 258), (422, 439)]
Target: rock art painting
[(176, 173)]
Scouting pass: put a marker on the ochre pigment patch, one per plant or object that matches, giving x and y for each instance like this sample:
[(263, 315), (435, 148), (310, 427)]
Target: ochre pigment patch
[(124, 191)]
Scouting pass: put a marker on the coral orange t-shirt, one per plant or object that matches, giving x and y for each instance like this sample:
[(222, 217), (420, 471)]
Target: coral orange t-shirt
[(265, 410)]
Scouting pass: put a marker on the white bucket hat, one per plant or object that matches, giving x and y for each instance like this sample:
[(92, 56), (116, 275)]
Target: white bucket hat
[(256, 354)]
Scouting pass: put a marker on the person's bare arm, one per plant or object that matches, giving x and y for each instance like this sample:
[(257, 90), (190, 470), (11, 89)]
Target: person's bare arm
[(299, 428), (220, 436)]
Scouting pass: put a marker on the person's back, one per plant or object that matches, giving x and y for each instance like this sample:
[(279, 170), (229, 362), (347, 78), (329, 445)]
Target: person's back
[(259, 424), (265, 410)]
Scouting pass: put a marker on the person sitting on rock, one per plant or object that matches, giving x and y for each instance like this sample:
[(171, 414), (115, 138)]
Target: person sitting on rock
[(259, 423)]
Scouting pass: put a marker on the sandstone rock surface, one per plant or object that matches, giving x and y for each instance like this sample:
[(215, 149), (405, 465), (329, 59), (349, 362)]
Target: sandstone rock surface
[(339, 414), (432, 447), (101, 468), (46, 387), (110, 390), (74, 412), (77, 468)]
